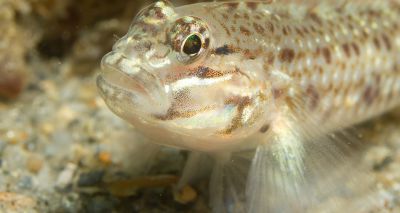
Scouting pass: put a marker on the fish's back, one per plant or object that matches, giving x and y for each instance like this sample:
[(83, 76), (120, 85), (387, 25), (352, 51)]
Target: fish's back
[(344, 55)]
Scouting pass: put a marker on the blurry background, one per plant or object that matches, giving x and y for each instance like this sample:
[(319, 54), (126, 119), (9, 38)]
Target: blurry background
[(60, 145)]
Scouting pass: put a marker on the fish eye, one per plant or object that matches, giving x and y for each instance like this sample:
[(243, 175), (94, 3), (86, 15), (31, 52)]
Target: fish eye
[(192, 45), (189, 38)]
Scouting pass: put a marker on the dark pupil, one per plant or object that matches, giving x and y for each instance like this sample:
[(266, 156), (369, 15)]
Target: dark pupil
[(192, 45)]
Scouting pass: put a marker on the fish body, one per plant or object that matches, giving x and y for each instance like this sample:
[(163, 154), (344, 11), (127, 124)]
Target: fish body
[(277, 77)]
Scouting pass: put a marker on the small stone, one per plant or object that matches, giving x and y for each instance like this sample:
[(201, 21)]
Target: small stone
[(66, 176), (66, 114), (185, 195), (90, 178), (34, 163), (11, 84), (105, 158), (25, 182), (11, 136), (47, 128)]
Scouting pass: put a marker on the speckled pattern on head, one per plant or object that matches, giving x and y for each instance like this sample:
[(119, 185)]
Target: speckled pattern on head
[(283, 78)]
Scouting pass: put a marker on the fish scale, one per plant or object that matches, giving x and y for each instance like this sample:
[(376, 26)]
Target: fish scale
[(267, 89), (346, 58)]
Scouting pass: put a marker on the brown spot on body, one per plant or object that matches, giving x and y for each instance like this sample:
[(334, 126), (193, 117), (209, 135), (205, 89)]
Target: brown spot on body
[(373, 13), (224, 50), (277, 93), (315, 18), (159, 14), (173, 114), (377, 43), (305, 30), (270, 58), (252, 5), (387, 42), (232, 5), (313, 94), (206, 72), (286, 55), (327, 55), (226, 29), (244, 30), (364, 34), (180, 99), (270, 27), (298, 30), (313, 29), (370, 94), (241, 103), (202, 29), (356, 48), (206, 43), (301, 55), (346, 48), (249, 54), (285, 31), (259, 29)]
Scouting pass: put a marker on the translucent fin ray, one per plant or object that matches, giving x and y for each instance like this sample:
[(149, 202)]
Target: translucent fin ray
[(228, 183), (301, 167)]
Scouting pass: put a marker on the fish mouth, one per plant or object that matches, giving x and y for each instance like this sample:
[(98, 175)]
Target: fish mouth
[(120, 81), (116, 78)]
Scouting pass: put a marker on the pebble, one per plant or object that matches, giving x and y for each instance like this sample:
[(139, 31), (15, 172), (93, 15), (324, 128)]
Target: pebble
[(90, 179), (11, 85), (34, 163), (65, 178), (105, 158), (185, 195), (25, 182)]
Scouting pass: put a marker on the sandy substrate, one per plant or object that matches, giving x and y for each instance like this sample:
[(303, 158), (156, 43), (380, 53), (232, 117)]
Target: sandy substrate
[(62, 150)]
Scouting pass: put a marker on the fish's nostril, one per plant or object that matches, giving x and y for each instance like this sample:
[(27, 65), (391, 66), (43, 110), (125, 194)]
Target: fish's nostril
[(143, 46)]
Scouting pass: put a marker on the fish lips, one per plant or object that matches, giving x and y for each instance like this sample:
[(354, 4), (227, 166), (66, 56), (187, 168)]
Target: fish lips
[(139, 92)]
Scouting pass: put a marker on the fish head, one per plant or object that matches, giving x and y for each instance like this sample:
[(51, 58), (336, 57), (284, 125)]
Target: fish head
[(165, 78)]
